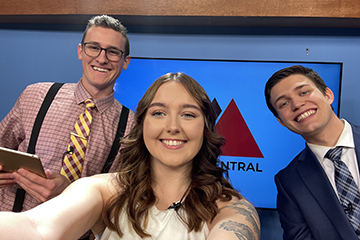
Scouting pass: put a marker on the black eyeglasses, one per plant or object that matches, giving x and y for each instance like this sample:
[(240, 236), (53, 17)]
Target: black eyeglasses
[(93, 50)]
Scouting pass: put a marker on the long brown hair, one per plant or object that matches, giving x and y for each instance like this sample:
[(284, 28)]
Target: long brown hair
[(208, 183)]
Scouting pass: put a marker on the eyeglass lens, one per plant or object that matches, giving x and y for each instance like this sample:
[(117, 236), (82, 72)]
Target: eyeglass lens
[(94, 50)]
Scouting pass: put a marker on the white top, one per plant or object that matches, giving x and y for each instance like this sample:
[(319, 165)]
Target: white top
[(348, 156), (163, 225)]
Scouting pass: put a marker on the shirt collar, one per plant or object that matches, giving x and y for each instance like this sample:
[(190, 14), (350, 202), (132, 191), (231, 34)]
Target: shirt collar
[(81, 94), (346, 139)]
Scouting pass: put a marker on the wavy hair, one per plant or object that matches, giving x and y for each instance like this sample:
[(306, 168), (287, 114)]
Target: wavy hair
[(208, 180)]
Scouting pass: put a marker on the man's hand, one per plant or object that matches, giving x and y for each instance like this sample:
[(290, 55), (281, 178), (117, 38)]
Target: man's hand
[(41, 188), (6, 179)]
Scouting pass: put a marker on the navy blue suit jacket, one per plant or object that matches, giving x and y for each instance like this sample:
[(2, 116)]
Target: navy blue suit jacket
[(306, 202)]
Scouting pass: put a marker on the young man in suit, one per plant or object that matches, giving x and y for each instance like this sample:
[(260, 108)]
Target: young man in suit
[(309, 201)]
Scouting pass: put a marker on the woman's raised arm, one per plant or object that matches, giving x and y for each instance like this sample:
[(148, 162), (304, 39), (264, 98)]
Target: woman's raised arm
[(67, 216)]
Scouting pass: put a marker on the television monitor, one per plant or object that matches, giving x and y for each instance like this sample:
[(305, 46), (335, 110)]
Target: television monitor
[(257, 146)]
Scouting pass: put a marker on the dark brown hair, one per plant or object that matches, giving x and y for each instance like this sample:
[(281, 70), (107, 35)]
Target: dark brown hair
[(286, 72)]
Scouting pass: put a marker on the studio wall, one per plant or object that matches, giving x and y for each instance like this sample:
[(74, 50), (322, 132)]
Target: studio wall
[(33, 55)]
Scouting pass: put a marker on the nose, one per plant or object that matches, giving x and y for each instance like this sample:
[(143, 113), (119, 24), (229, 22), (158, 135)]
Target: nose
[(172, 126), (296, 103), (102, 56)]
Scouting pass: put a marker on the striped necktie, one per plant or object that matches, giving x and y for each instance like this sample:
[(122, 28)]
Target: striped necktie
[(73, 161), (347, 189)]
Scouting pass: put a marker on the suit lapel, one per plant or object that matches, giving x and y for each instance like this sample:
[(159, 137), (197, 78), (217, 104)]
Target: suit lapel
[(356, 136), (315, 179)]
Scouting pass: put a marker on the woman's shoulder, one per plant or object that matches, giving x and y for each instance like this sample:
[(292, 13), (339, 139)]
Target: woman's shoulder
[(236, 205), (236, 219)]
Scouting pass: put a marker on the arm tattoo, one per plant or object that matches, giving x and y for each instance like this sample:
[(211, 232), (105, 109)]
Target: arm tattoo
[(241, 231), (247, 210)]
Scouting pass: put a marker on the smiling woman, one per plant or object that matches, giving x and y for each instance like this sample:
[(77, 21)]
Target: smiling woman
[(173, 126), (170, 184), (177, 108)]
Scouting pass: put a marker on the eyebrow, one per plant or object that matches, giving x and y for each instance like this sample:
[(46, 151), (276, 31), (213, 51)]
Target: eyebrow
[(160, 104), (157, 104), (111, 47), (295, 89)]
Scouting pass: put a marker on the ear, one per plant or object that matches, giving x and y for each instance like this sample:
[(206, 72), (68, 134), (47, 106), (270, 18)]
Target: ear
[(126, 62), (279, 120), (80, 51), (329, 95)]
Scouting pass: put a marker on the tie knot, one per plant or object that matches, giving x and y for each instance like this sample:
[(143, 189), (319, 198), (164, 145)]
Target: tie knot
[(334, 154), (89, 104)]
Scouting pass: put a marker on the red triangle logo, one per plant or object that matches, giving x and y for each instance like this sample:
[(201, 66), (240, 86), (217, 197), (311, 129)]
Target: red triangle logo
[(239, 140)]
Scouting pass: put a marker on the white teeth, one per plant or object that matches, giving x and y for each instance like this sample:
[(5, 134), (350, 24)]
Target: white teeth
[(172, 142), (305, 115), (100, 69)]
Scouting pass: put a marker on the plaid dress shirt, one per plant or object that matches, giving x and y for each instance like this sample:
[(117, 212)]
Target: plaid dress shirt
[(16, 128)]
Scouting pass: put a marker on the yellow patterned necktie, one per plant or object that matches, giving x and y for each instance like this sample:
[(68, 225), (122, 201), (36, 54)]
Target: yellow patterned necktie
[(73, 161)]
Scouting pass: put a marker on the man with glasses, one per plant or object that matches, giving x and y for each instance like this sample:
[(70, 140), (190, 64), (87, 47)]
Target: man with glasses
[(104, 53)]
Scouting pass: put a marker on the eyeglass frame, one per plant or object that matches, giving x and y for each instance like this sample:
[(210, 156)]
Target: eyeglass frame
[(101, 49)]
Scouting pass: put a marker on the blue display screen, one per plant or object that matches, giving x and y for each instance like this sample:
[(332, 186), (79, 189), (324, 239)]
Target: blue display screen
[(257, 145)]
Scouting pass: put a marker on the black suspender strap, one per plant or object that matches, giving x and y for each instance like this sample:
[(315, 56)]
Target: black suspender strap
[(116, 144), (41, 115), (20, 193)]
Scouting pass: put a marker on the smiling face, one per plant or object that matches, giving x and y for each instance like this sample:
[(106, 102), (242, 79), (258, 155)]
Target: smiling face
[(173, 128), (302, 107), (100, 74)]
